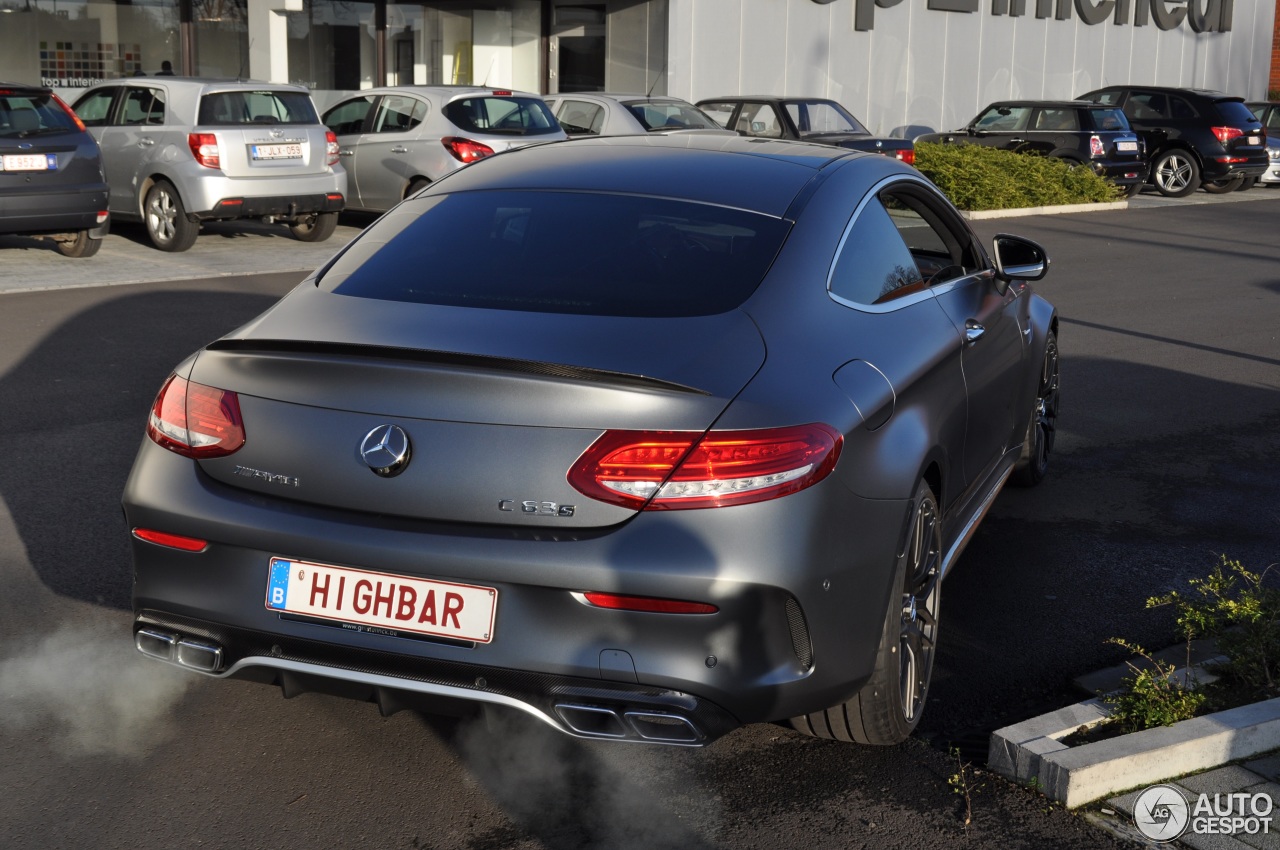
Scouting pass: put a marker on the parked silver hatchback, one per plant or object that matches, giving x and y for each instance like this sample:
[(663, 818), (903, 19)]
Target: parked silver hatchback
[(397, 139), (178, 151)]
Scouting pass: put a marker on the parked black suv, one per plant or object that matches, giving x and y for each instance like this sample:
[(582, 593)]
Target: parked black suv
[(1078, 131), (51, 180), (1194, 137)]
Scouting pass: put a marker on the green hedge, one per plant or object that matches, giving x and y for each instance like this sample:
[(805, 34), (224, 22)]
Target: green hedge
[(976, 178)]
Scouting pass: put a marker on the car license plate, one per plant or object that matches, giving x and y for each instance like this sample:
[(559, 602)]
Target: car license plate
[(289, 151), (1255, 140), (382, 600), (1127, 146), (29, 162)]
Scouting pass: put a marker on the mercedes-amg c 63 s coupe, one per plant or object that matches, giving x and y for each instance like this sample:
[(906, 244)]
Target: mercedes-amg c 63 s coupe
[(648, 437)]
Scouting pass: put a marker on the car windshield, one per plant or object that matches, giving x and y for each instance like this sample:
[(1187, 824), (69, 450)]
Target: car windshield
[(233, 108), (508, 116), (667, 115), (32, 114), (820, 117), (562, 252)]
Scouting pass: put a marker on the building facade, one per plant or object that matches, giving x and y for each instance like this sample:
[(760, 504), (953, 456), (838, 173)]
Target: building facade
[(904, 66)]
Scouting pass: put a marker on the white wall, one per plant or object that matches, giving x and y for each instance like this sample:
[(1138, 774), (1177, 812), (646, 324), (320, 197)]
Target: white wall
[(921, 69)]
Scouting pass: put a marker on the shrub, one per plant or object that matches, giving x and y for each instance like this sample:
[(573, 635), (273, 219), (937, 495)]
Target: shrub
[(1153, 695), (975, 178)]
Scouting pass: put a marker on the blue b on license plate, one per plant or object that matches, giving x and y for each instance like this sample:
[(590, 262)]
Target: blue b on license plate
[(382, 600)]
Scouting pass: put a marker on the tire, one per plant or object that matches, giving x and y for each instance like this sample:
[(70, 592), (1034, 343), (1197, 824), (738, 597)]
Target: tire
[(1033, 463), (1247, 183), (1223, 186), (80, 246), (1133, 190), (166, 219), (315, 228), (1175, 173), (416, 186), (889, 706)]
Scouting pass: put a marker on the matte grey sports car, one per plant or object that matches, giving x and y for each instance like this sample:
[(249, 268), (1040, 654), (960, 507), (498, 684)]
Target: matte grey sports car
[(648, 437)]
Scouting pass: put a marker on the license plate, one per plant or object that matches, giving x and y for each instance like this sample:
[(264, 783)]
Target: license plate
[(289, 151), (1255, 140), (29, 162), (382, 601), (1126, 146)]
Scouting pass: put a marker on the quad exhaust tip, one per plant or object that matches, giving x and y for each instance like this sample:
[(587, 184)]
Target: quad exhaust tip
[(595, 721), (176, 649)]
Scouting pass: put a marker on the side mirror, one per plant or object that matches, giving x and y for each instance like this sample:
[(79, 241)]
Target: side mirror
[(1018, 259)]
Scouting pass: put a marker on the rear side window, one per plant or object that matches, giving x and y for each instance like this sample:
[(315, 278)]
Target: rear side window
[(1107, 119), (348, 117), (235, 108), (143, 106), (563, 252), (398, 113), (515, 116), (581, 118), (33, 113)]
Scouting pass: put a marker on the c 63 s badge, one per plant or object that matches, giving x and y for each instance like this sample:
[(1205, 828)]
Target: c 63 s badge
[(532, 506)]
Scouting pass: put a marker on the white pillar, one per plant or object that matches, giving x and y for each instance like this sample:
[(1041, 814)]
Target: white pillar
[(269, 39)]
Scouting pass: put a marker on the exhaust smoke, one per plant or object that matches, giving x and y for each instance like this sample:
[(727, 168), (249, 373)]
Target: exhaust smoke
[(87, 684)]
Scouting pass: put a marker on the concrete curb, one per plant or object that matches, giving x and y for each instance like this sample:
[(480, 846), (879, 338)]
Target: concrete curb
[(1032, 751), (1058, 210)]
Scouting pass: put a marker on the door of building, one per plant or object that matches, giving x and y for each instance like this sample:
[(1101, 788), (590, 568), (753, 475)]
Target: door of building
[(578, 47)]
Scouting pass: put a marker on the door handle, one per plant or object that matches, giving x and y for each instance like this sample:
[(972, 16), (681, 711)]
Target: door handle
[(973, 332), (346, 153), (146, 142), (399, 149)]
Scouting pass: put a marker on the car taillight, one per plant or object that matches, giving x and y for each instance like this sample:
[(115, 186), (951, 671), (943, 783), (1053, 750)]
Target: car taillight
[(331, 147), (172, 541), (196, 421), (204, 147), (666, 470), (1226, 134), (907, 156), (647, 604), (465, 150), (1096, 148), (67, 109)]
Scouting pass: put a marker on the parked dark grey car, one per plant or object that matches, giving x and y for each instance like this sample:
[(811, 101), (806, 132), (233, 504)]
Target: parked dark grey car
[(646, 436), (1080, 132), (1195, 137), (51, 181), (811, 119)]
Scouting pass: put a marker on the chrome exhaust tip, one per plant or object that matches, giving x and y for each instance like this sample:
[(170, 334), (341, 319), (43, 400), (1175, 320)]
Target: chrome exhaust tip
[(176, 649), (663, 728), (593, 721)]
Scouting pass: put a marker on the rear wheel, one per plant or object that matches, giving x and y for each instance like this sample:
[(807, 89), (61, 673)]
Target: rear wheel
[(1223, 186), (1247, 183), (315, 228), (80, 246), (889, 706), (1133, 190), (1176, 173), (1038, 445), (166, 219), (416, 186)]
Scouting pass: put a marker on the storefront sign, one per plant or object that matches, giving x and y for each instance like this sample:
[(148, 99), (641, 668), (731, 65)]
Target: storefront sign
[(1202, 15)]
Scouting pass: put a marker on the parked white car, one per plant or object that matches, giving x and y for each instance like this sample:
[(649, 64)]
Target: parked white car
[(180, 150), (396, 140), (608, 114)]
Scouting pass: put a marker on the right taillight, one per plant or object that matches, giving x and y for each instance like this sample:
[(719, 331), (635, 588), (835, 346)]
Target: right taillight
[(465, 150), (204, 147), (1096, 148), (331, 148), (1226, 134), (664, 470), (196, 421)]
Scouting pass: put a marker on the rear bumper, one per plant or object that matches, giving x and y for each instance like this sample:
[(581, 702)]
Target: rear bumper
[(1122, 173), (287, 206), (207, 193), (52, 211), (1216, 168), (801, 585)]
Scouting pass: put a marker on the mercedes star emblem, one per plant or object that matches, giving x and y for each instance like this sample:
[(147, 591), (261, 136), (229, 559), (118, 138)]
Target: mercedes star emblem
[(386, 450)]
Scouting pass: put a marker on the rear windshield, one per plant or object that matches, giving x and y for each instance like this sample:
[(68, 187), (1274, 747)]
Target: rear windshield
[(24, 115), (234, 108), (506, 116), (669, 115), (562, 252), (1108, 119), (1235, 112)]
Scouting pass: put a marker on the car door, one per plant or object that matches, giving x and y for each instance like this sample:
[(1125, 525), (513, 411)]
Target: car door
[(991, 318), (130, 141), (347, 121), (1052, 129), (96, 108), (391, 151)]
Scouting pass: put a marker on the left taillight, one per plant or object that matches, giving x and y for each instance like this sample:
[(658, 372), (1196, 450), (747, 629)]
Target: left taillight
[(907, 156), (465, 150), (331, 147), (1096, 147), (204, 147), (655, 470), (1226, 134), (195, 420)]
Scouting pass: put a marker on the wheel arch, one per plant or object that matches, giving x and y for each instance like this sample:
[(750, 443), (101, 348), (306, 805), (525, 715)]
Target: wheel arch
[(1176, 145)]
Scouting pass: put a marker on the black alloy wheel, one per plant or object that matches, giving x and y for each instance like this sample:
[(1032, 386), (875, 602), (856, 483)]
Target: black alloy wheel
[(1033, 464)]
